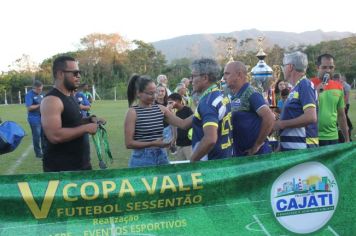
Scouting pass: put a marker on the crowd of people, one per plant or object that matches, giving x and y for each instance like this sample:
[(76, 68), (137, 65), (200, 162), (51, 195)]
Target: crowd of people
[(303, 112)]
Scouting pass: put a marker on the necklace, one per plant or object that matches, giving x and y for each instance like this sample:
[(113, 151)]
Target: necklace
[(212, 88)]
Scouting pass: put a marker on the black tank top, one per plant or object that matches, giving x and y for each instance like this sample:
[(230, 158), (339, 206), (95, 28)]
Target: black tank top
[(68, 155)]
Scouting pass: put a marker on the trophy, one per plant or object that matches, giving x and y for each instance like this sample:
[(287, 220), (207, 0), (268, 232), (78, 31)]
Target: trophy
[(230, 53), (261, 74), (276, 74)]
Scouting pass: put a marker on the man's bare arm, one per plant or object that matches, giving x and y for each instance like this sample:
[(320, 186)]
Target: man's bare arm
[(51, 110)]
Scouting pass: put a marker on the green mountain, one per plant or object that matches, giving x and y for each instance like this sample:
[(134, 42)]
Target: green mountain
[(209, 45)]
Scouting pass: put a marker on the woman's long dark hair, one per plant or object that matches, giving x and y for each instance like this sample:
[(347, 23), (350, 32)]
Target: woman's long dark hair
[(137, 83), (276, 88)]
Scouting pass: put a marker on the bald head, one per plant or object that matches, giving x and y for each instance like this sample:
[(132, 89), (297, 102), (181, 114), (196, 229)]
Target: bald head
[(237, 66), (235, 75)]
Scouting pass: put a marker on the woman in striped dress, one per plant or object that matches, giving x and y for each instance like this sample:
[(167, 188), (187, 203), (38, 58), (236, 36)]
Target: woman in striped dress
[(144, 124)]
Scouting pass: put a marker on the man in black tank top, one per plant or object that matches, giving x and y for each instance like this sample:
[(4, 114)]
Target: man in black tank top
[(62, 122)]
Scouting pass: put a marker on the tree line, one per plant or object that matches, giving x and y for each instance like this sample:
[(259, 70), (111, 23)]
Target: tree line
[(108, 61)]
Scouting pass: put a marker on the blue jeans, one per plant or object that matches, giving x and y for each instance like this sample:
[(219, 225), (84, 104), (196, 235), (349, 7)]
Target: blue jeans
[(37, 139), (148, 157)]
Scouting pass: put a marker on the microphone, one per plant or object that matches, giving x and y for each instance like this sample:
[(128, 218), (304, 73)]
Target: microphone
[(325, 81), (326, 78)]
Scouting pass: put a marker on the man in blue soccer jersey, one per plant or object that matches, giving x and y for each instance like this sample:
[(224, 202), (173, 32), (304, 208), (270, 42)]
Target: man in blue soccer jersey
[(298, 121), (212, 134), (33, 101), (84, 106), (252, 119)]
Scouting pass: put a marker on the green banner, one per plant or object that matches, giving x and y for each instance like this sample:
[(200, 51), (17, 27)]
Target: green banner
[(300, 192)]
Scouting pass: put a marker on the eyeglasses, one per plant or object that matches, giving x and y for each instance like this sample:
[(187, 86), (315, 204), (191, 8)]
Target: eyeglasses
[(152, 94), (194, 76), (76, 73), (327, 67)]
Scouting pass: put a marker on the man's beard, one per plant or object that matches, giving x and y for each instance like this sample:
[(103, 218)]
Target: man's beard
[(68, 85)]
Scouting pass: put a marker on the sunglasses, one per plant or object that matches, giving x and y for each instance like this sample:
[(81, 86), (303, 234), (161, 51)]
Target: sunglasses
[(76, 73)]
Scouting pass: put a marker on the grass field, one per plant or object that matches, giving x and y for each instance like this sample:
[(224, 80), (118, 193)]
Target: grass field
[(23, 160)]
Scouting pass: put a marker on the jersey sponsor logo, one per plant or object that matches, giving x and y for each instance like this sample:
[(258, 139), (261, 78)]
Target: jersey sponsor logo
[(235, 105)]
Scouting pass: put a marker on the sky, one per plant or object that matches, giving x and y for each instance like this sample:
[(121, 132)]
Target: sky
[(43, 28)]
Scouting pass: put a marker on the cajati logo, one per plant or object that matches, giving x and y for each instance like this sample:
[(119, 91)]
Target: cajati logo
[(304, 197)]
